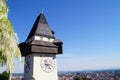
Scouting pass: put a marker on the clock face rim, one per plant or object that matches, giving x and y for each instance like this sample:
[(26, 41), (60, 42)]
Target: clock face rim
[(27, 68), (50, 64), (27, 64)]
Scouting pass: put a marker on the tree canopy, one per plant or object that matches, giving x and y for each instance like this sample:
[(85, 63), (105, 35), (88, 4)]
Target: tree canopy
[(8, 39)]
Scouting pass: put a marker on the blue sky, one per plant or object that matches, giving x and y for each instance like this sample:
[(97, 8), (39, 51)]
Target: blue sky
[(89, 29)]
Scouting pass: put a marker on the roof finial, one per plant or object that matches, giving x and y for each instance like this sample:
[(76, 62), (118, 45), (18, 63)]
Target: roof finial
[(42, 7)]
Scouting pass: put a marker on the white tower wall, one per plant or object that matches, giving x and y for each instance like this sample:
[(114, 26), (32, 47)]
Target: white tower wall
[(36, 70)]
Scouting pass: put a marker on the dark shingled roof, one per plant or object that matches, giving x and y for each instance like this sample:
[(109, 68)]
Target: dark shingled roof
[(41, 28), (42, 43)]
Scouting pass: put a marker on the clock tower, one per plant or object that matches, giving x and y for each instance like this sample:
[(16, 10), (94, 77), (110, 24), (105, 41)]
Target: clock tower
[(40, 50)]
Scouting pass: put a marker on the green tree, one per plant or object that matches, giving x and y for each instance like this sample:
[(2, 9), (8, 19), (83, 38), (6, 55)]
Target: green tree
[(4, 76), (8, 39)]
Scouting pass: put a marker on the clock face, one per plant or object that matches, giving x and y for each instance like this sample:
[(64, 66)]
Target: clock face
[(47, 64), (27, 64)]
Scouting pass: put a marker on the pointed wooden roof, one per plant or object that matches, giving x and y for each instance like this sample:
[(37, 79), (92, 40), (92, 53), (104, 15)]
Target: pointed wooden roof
[(41, 28)]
